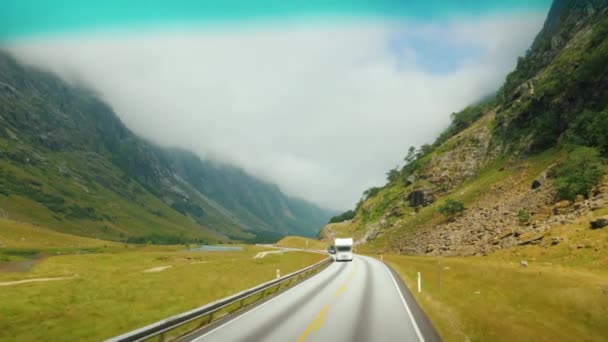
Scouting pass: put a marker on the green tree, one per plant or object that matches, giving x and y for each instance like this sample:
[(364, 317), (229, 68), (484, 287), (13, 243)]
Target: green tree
[(451, 208), (345, 216), (371, 192), (392, 175), (424, 150), (589, 129), (411, 155), (579, 174)]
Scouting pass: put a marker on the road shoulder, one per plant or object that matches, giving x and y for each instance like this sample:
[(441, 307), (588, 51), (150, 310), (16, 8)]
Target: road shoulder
[(424, 324)]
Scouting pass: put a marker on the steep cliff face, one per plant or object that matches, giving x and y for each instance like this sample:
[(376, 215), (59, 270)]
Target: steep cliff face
[(563, 75), (68, 162), (498, 158)]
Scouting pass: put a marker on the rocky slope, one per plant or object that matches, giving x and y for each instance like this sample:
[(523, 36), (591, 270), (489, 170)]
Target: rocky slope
[(68, 162), (498, 158)]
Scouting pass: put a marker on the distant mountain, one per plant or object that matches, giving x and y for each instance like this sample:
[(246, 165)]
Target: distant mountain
[(69, 163), (253, 203)]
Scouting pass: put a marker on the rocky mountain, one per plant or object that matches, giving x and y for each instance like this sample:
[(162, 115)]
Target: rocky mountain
[(251, 202), (68, 162), (510, 169)]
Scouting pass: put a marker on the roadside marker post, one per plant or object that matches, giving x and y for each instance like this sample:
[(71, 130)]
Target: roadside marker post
[(439, 267), (278, 273), (419, 283)]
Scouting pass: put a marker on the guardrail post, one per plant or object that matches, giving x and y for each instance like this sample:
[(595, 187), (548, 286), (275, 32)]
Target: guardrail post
[(162, 337)]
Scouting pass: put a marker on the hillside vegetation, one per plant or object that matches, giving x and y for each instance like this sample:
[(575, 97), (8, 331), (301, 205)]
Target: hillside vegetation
[(24, 235), (301, 242), (511, 167), (67, 162), (560, 294)]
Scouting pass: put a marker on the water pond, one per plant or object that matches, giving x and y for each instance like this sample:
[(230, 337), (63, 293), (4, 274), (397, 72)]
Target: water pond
[(210, 248)]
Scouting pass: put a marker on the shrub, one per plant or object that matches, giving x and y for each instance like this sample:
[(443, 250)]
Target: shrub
[(345, 216), (392, 175), (451, 208), (579, 174), (523, 217), (371, 192), (589, 129)]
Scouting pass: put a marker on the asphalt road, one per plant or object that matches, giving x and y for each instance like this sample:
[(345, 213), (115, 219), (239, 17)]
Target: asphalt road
[(348, 301)]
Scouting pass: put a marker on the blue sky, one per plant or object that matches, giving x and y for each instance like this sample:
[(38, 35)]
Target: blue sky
[(321, 97), (434, 54), (19, 18)]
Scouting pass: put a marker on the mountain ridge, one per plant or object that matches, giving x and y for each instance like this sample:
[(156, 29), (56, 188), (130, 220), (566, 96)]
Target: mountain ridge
[(63, 151), (492, 180)]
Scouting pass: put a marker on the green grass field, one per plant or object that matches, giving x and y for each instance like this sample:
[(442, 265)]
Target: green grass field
[(106, 292), (561, 296), (301, 242), (24, 235)]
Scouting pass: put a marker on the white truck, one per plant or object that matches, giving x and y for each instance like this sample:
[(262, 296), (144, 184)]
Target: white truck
[(344, 249)]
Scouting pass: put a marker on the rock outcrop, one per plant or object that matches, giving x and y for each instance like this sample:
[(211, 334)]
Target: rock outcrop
[(600, 222)]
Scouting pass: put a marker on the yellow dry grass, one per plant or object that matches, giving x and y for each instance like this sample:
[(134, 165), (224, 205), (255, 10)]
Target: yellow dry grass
[(109, 293), (301, 242)]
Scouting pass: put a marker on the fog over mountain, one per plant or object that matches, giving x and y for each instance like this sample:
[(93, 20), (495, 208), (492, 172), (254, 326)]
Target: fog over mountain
[(296, 104)]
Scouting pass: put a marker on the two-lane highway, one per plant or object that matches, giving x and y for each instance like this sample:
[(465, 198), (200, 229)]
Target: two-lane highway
[(348, 301)]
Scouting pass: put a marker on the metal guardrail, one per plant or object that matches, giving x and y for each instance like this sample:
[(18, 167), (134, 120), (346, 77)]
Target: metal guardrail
[(162, 330)]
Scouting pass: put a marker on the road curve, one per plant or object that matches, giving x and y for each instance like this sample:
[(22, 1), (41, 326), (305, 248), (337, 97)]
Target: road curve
[(347, 301)]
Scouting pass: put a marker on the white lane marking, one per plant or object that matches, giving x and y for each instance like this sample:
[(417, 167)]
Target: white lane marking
[(250, 311), (405, 304)]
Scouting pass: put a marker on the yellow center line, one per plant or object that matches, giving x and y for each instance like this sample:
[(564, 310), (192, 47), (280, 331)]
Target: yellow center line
[(340, 290), (319, 320), (315, 324)]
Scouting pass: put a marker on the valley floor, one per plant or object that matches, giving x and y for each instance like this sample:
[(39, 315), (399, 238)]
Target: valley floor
[(109, 288)]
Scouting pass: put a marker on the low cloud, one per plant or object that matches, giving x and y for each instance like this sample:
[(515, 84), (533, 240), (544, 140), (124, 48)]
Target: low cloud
[(322, 110)]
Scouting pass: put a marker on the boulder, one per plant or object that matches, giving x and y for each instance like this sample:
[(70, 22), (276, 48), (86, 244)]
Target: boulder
[(561, 207), (599, 222), (530, 238), (523, 263), (394, 212), (410, 179), (502, 235), (539, 181), (420, 198), (595, 205)]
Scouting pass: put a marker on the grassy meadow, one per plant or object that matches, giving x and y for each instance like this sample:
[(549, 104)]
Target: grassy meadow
[(103, 289), (301, 242), (561, 296)]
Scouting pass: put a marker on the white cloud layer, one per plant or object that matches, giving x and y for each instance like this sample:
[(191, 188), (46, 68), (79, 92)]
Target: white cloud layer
[(322, 110)]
